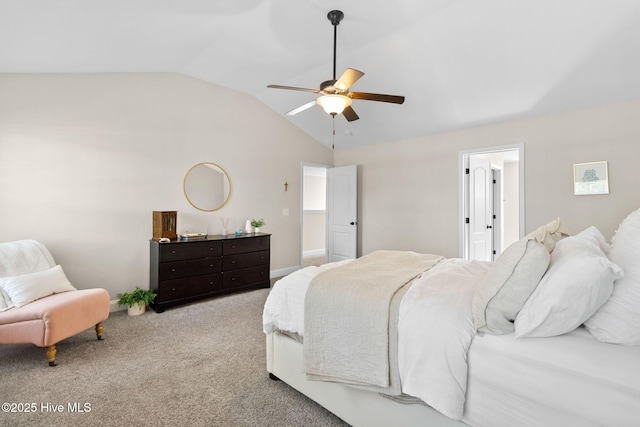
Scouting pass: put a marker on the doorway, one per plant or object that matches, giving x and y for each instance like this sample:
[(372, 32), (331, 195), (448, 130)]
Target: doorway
[(314, 214), (329, 212), (491, 201)]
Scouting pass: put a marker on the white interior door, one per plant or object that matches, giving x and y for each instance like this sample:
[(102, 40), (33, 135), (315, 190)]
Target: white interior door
[(480, 209), (342, 213)]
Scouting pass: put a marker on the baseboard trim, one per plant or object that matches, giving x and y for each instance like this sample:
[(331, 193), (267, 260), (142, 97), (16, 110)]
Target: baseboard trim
[(274, 274), (314, 252), (113, 306)]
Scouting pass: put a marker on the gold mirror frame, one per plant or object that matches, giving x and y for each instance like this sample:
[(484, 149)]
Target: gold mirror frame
[(207, 186)]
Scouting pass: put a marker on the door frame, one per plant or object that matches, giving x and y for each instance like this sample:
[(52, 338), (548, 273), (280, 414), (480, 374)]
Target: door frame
[(463, 191)]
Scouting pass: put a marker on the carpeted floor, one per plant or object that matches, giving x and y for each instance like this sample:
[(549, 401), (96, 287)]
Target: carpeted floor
[(196, 365)]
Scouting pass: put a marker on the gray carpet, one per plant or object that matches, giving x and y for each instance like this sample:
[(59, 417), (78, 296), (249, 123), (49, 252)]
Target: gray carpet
[(196, 365)]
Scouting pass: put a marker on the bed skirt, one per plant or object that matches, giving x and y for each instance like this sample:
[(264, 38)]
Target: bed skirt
[(355, 406)]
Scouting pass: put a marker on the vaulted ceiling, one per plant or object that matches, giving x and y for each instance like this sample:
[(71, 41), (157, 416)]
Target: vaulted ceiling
[(459, 63)]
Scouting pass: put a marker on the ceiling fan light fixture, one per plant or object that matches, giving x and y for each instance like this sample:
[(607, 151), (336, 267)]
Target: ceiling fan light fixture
[(334, 104)]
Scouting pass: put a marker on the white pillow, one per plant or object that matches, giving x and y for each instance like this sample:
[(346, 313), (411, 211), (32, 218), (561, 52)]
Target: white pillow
[(579, 280), (30, 287), (501, 295), (618, 320)]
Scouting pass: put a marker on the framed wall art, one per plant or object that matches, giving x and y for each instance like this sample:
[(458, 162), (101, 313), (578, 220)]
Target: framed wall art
[(590, 178)]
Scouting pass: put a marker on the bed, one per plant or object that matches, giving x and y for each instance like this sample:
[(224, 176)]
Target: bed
[(549, 334)]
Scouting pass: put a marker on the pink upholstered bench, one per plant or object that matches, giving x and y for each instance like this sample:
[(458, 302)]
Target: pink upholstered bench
[(47, 320)]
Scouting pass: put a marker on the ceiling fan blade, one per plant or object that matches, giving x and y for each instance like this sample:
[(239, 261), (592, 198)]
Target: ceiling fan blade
[(304, 89), (301, 108), (349, 77), (349, 114), (394, 99)]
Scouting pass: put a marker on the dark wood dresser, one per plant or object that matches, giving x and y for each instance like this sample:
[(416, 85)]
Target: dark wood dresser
[(183, 271)]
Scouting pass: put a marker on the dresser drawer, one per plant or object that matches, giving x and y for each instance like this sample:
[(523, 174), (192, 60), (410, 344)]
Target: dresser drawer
[(191, 250), (245, 277), (238, 246), (194, 267), (250, 259), (171, 290)]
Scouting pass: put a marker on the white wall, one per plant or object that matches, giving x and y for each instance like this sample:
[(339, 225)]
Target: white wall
[(408, 196), (85, 159)]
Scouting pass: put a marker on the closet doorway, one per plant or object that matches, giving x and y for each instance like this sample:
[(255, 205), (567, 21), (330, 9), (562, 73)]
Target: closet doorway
[(491, 201), (314, 214)]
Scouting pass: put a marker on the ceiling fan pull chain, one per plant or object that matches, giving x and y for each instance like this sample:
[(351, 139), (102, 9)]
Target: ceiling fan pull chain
[(333, 142)]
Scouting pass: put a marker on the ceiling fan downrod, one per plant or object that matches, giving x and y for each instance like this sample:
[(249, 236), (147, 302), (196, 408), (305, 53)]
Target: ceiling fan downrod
[(335, 16)]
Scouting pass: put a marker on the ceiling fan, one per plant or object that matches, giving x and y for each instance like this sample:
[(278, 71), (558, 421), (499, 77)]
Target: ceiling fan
[(335, 97)]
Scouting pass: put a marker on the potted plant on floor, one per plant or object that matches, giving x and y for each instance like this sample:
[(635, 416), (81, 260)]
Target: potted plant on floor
[(136, 300), (256, 224)]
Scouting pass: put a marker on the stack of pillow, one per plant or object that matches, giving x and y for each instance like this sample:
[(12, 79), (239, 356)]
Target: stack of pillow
[(547, 284)]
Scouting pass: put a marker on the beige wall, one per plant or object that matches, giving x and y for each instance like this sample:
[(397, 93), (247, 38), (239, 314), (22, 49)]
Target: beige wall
[(408, 195), (510, 203), (314, 232), (85, 159)]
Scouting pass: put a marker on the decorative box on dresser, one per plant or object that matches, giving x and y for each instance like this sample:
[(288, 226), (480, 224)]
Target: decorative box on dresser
[(183, 271)]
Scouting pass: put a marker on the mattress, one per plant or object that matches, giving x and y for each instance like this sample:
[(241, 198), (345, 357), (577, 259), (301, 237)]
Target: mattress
[(568, 380)]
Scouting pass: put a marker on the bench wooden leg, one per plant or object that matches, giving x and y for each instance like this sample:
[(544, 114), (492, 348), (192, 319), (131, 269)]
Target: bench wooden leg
[(51, 355), (99, 330)]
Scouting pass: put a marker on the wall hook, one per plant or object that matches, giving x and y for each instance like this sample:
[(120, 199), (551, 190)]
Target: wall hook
[(286, 186)]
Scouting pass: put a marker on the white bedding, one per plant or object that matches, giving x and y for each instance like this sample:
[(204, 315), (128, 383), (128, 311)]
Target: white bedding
[(284, 308), (568, 380), (432, 360), (435, 330)]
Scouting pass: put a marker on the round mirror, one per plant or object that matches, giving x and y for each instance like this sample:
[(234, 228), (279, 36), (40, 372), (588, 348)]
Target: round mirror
[(207, 186)]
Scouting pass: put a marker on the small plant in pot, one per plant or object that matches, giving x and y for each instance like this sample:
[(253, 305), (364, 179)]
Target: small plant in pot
[(256, 224), (136, 300)]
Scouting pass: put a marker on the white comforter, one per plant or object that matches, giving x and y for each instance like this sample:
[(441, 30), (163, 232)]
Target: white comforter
[(435, 327)]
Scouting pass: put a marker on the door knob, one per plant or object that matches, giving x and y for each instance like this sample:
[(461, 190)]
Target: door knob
[(353, 223), (488, 226)]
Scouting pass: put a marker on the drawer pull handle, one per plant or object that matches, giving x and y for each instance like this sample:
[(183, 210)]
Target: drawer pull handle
[(173, 252), (211, 265), (233, 262), (210, 249), (173, 289), (233, 278), (173, 270)]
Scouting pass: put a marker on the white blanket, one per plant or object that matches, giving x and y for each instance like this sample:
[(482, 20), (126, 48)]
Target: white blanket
[(351, 316), (435, 330), (284, 308), (435, 327)]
